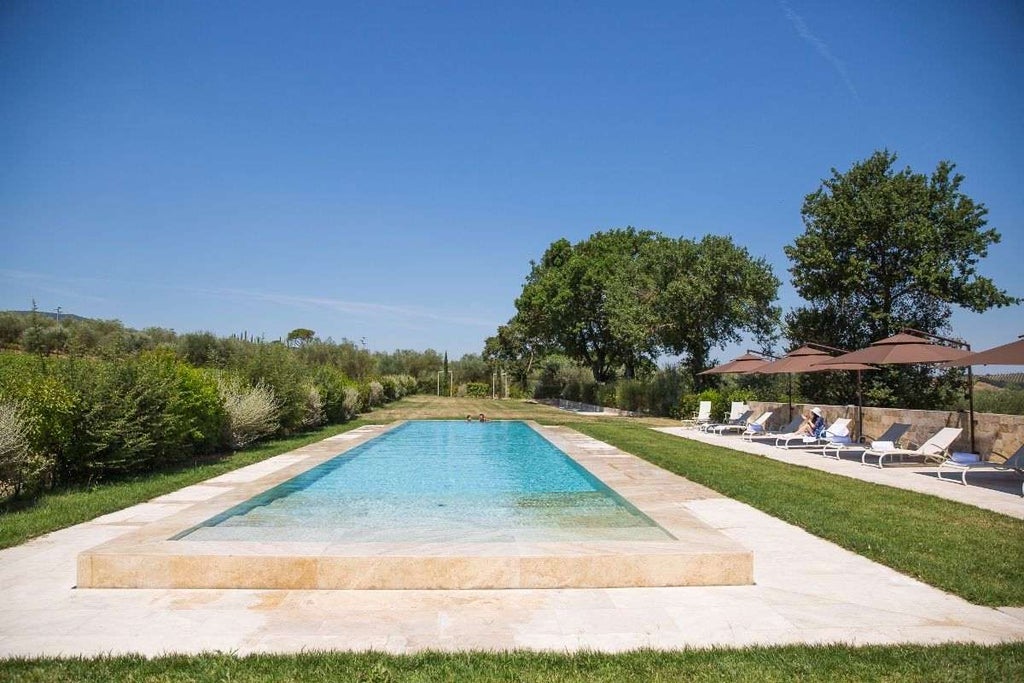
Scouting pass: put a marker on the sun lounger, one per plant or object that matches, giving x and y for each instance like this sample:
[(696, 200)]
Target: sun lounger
[(934, 448), (838, 429), (741, 426), (738, 414), (758, 425), (793, 425), (703, 414), (889, 439), (1015, 463), (739, 421)]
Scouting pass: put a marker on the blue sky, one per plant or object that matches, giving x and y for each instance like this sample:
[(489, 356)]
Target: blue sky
[(386, 171)]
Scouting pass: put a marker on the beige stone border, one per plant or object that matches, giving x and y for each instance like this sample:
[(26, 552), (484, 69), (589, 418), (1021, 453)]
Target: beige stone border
[(698, 555)]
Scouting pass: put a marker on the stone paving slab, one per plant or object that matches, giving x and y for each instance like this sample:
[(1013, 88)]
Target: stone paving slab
[(806, 591), (912, 477)]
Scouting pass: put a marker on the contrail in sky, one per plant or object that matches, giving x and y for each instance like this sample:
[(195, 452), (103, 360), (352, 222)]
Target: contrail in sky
[(801, 28)]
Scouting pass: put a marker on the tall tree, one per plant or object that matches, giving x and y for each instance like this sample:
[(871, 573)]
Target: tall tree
[(565, 301), (708, 293), (300, 336), (885, 249), (621, 297), (512, 349)]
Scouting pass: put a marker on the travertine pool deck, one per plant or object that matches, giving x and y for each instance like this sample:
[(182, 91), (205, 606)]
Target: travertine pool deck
[(806, 590), (695, 555)]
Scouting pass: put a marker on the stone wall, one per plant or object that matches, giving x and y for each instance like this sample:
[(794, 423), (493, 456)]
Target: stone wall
[(994, 435)]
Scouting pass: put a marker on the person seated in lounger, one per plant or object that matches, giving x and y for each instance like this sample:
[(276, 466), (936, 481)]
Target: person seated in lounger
[(814, 424)]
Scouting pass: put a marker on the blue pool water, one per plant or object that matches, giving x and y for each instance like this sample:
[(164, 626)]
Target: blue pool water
[(438, 481)]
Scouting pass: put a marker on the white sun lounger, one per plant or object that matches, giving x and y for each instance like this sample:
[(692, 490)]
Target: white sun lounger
[(739, 419), (758, 425), (793, 425), (934, 448), (1015, 463), (889, 439), (703, 414), (742, 426)]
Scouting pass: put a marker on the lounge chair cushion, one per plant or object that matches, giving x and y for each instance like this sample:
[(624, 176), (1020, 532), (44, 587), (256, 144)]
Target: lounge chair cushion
[(882, 446), (965, 458)]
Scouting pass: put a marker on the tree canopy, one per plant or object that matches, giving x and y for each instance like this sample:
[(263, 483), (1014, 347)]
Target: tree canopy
[(300, 336), (883, 250), (618, 299)]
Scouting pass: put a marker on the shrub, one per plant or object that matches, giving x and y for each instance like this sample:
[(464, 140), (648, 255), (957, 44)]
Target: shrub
[(251, 409), (390, 387), (719, 404), (475, 390), (374, 394), (141, 413), (740, 395), (631, 394), (664, 391), (332, 384), (606, 395), (279, 369), (22, 472), (314, 409), (352, 403), (49, 406)]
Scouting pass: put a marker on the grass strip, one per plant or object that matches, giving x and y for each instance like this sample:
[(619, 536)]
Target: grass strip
[(832, 663), (59, 509), (965, 550)]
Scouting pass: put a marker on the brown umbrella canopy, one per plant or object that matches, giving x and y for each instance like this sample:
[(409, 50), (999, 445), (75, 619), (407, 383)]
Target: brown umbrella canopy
[(1007, 354), (807, 359), (901, 348), (748, 362), (906, 348)]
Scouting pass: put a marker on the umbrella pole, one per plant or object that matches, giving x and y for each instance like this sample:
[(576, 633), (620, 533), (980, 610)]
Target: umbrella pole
[(970, 404), (789, 413), (860, 409)]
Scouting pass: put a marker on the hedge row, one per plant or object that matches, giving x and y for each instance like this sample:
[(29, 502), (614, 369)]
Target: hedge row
[(73, 421)]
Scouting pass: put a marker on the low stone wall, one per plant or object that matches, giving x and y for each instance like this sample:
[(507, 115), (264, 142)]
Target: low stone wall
[(995, 435)]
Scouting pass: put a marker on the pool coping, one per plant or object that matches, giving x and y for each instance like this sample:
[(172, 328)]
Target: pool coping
[(698, 555)]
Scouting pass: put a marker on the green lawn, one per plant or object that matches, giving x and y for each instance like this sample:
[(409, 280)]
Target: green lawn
[(792, 663)]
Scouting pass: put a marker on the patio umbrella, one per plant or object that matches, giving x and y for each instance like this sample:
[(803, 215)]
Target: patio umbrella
[(1007, 354), (745, 363), (807, 358), (913, 347), (902, 348)]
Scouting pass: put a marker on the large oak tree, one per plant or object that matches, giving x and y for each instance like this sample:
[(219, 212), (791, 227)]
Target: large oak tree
[(615, 301), (885, 249)]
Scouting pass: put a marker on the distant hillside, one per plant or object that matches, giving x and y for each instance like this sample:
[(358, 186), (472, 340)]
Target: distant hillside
[(50, 314), (1003, 380)]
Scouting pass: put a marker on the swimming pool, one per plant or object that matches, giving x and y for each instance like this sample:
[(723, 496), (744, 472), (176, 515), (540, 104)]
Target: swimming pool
[(165, 549), (438, 481)]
